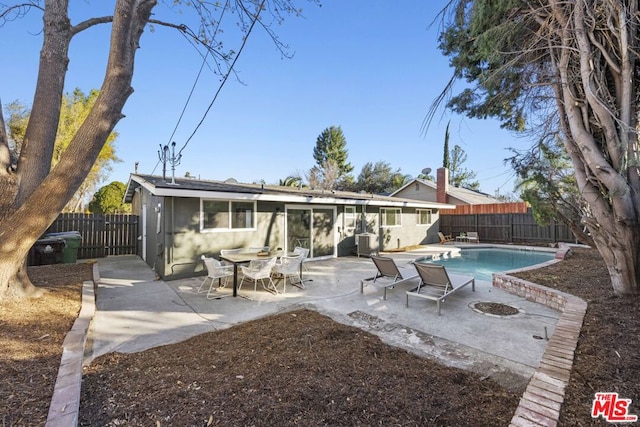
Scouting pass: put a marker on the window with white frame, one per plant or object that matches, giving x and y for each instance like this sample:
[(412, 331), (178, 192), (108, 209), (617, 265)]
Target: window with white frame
[(423, 216), (227, 215), (390, 217), (349, 218)]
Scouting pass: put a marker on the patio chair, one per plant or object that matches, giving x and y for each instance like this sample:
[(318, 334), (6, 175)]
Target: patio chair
[(386, 268), (436, 284), (472, 237), (299, 250), (444, 239), (224, 252), (259, 269), (289, 266), (215, 270)]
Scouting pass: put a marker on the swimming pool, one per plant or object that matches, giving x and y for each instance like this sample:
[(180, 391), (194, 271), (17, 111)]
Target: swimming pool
[(481, 263)]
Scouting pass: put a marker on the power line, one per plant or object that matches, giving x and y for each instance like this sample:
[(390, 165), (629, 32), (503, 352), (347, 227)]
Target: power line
[(184, 32), (226, 77), (193, 88)]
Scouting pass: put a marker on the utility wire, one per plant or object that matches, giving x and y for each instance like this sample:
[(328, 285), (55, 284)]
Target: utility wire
[(195, 83), (193, 88), (226, 77), (155, 167)]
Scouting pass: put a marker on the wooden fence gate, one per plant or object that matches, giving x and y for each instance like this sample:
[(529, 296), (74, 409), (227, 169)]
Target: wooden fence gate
[(102, 235)]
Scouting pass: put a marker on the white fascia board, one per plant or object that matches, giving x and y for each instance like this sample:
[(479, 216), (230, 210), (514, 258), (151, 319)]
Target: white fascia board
[(286, 198)]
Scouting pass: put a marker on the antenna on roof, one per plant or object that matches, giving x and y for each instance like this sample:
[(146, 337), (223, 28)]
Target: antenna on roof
[(426, 171), (175, 161), (163, 155)]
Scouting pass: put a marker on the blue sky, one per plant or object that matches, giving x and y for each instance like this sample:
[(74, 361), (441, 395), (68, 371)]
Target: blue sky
[(371, 67)]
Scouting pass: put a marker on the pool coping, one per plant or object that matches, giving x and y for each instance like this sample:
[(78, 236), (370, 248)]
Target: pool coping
[(542, 400)]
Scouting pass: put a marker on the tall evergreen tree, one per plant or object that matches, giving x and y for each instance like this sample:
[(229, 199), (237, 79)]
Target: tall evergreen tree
[(445, 160), (331, 145)]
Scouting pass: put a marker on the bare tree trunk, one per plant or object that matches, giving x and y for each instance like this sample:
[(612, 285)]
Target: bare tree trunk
[(607, 182), (43, 197), (622, 257)]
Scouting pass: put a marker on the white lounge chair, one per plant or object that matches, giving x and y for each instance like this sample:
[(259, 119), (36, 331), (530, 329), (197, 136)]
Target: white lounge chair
[(386, 269), (436, 285)]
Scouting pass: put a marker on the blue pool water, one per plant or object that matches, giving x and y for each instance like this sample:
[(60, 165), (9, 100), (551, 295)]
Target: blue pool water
[(481, 263)]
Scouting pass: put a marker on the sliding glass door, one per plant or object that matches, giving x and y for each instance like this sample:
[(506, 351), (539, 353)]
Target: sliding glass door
[(312, 228)]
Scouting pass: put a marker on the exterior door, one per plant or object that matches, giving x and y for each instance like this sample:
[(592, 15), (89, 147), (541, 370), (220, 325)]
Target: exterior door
[(312, 228)]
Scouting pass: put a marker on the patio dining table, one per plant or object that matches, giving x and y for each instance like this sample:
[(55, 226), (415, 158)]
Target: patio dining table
[(243, 258)]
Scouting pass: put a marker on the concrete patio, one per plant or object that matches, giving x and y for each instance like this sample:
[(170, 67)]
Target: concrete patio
[(136, 312)]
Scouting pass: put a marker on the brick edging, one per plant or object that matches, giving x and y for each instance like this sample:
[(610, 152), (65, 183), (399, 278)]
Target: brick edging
[(542, 399), (65, 402)]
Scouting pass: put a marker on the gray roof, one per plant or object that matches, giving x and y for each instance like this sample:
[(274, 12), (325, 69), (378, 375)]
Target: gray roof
[(465, 195), (187, 187)]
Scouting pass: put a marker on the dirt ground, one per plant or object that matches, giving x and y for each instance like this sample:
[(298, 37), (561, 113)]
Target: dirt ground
[(299, 368)]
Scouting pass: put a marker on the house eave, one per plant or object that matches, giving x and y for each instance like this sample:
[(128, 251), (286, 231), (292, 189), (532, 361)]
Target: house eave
[(318, 199), (285, 198)]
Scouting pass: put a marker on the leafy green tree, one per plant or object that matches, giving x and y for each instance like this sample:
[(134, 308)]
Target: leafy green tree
[(73, 112), (34, 194), (109, 199), (331, 146), (459, 176), (566, 68), (291, 181), (379, 178), (17, 120)]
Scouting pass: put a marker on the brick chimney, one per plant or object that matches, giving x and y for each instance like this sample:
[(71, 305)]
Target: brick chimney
[(442, 182)]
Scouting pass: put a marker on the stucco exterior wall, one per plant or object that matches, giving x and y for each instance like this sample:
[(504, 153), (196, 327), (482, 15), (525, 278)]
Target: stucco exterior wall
[(186, 243), (409, 232), (154, 240), (175, 241), (418, 191)]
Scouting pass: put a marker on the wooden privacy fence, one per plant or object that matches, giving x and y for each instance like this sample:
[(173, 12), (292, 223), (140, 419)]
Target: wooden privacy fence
[(506, 228), (488, 208), (102, 235)]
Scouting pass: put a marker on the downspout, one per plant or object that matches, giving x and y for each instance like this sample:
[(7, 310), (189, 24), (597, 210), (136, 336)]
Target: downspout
[(173, 230)]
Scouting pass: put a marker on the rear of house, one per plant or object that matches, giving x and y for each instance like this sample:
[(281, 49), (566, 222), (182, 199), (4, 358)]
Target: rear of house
[(182, 220)]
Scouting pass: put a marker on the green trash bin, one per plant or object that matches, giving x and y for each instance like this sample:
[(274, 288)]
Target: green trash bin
[(72, 240)]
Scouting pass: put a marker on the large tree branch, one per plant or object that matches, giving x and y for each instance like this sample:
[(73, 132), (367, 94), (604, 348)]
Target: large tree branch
[(599, 106), (37, 148), (90, 23), (48, 199)]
